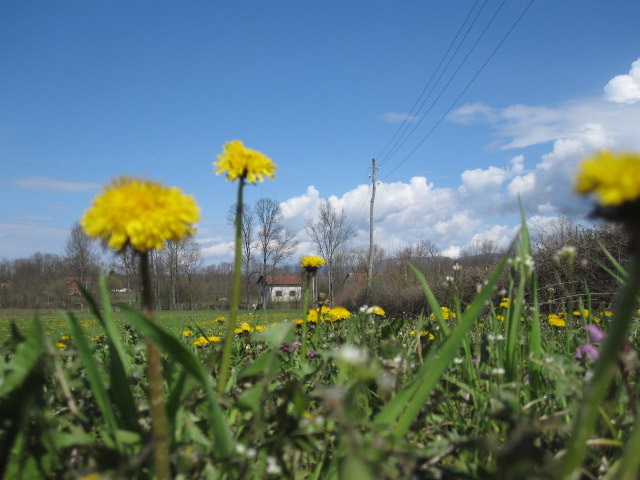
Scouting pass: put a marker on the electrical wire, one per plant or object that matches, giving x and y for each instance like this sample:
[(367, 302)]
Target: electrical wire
[(463, 91)]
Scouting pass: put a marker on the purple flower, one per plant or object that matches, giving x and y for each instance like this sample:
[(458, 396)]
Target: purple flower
[(595, 334), (587, 351), (285, 347), (296, 345), (312, 353)]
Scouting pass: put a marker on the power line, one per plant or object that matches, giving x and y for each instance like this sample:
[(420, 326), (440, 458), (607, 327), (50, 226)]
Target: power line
[(463, 91), (477, 41), (432, 75)]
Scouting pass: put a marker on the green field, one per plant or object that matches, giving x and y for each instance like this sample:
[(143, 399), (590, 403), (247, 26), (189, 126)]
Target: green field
[(55, 325)]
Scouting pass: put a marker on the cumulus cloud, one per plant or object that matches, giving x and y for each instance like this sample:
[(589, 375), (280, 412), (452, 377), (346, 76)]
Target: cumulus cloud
[(484, 205), (624, 88)]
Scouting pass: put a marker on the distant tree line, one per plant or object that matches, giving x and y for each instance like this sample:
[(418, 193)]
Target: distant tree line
[(181, 281)]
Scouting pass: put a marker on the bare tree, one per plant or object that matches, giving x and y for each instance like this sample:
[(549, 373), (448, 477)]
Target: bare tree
[(284, 247), (329, 232), (275, 242), (247, 239), (190, 259), (127, 264), (81, 255)]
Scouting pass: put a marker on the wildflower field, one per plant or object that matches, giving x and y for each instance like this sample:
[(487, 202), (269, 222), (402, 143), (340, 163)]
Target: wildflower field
[(501, 387)]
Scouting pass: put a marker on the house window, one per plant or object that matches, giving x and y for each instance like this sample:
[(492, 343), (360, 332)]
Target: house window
[(292, 293), (278, 293)]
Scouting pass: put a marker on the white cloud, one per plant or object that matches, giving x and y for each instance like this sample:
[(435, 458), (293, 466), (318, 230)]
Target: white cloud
[(624, 88), (395, 117), (52, 184)]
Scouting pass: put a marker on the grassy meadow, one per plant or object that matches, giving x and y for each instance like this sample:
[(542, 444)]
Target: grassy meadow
[(485, 390)]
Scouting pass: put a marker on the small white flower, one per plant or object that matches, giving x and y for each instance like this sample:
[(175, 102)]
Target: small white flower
[(352, 355), (498, 371), (457, 360), (251, 453), (448, 279), (500, 338), (272, 466), (457, 267), (491, 337), (240, 449), (364, 308)]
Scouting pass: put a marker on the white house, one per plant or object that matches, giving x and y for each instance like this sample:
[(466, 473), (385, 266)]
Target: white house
[(281, 288)]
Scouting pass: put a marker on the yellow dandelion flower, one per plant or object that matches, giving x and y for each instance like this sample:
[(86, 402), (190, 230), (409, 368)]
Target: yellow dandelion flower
[(239, 161), (140, 212), (585, 312), (244, 328), (260, 328), (213, 338), (613, 178), (500, 317), (311, 263), (596, 319), (423, 334), (312, 316), (504, 303), (65, 337), (187, 333), (61, 345), (298, 321), (200, 341), (375, 310), (556, 321), (608, 313), (220, 319), (338, 313)]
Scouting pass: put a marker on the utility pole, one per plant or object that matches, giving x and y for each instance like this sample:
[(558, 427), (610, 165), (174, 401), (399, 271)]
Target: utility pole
[(373, 197)]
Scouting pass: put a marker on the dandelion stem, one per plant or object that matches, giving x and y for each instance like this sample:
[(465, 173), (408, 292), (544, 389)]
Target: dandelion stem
[(235, 294), (154, 366), (305, 314)]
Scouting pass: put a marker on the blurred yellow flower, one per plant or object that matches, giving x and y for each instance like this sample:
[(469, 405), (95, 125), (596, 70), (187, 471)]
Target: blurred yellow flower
[(220, 319), (312, 262), (187, 333), (61, 345), (375, 310), (500, 317), (298, 321), (338, 313), (613, 178), (143, 213), (200, 341), (556, 321), (312, 316), (213, 339), (608, 313), (244, 328), (239, 161), (585, 312), (423, 334), (504, 303), (260, 328)]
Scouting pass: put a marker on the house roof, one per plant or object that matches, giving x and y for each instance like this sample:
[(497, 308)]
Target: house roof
[(288, 279)]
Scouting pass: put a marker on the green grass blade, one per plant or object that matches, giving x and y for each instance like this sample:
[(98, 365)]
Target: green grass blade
[(93, 375), (119, 368), (431, 299), (24, 360), (434, 366), (179, 352), (416, 394), (619, 268)]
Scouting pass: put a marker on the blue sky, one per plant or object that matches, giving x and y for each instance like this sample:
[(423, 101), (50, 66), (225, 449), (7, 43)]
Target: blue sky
[(93, 90)]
